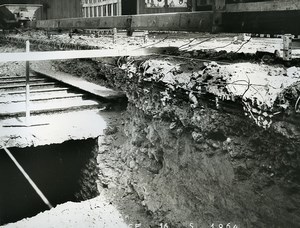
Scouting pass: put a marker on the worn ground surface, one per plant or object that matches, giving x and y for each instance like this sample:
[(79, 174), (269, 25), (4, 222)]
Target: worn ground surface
[(200, 143)]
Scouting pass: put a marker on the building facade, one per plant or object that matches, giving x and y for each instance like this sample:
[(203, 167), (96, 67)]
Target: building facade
[(54, 9), (101, 8), (163, 6)]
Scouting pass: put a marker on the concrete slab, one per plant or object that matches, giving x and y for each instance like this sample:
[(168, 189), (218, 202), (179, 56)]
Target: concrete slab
[(53, 105), (37, 91), (8, 87), (9, 98), (60, 127), (80, 83)]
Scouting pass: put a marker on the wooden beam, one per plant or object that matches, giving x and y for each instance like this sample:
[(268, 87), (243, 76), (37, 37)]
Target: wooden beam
[(53, 55), (184, 21)]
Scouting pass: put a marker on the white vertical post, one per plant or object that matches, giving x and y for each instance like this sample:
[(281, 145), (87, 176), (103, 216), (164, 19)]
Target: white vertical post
[(146, 36), (27, 87), (115, 31)]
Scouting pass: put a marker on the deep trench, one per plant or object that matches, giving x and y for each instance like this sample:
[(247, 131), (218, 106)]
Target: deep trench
[(60, 171)]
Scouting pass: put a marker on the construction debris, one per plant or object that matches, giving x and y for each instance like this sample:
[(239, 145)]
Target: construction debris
[(261, 89)]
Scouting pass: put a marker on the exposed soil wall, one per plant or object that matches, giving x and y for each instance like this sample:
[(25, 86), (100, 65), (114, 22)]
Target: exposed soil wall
[(190, 162), (205, 172)]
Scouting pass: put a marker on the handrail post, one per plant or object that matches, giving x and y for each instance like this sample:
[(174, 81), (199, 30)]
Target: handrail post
[(27, 87)]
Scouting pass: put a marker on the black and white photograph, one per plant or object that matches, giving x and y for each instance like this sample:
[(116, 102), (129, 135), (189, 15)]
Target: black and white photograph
[(149, 113)]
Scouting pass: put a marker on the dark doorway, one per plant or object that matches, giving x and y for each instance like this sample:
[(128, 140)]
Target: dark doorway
[(130, 7)]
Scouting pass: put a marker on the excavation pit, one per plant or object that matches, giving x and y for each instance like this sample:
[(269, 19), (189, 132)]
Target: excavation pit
[(199, 144), (63, 172)]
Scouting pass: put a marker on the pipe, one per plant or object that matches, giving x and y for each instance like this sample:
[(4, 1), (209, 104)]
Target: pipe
[(27, 87), (34, 186)]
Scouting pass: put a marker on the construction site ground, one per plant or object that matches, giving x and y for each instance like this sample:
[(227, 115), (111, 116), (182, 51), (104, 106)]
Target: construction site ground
[(245, 72)]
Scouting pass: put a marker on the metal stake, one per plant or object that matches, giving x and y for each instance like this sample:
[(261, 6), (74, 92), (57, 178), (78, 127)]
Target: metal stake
[(27, 87)]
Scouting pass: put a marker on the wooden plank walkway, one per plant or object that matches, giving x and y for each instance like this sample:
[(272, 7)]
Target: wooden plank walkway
[(81, 84), (12, 101)]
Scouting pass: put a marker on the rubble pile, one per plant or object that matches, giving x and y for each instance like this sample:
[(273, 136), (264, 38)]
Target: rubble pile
[(262, 90)]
